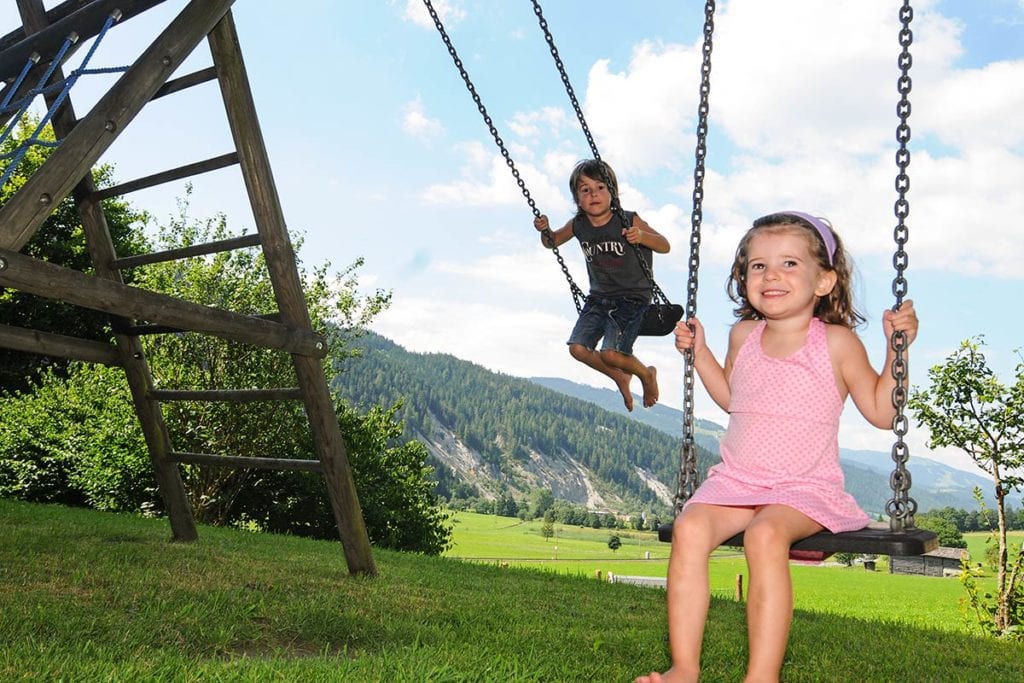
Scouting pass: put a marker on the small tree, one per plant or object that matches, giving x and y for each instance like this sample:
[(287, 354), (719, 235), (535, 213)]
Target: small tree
[(949, 535), (614, 542), (548, 529), (845, 559), (968, 407)]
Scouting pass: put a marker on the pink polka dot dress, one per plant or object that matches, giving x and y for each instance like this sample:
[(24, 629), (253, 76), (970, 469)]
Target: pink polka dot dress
[(782, 443)]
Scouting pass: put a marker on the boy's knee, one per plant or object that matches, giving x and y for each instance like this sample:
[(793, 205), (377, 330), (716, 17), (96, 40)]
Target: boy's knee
[(612, 357)]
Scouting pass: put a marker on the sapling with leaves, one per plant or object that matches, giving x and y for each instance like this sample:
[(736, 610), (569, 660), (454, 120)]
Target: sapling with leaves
[(966, 406)]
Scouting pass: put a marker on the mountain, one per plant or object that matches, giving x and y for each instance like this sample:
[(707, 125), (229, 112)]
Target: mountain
[(493, 435), (933, 485)]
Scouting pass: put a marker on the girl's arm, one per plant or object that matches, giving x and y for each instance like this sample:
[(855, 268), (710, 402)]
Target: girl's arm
[(643, 234), (713, 376), (872, 391), (558, 237)]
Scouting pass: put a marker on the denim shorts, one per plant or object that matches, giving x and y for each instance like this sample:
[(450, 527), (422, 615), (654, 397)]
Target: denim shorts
[(617, 321)]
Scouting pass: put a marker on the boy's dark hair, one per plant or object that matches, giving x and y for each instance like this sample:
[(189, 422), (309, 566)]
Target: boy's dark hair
[(595, 170)]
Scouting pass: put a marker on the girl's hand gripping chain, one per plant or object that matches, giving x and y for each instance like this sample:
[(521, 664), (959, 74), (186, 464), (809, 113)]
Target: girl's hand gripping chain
[(690, 339)]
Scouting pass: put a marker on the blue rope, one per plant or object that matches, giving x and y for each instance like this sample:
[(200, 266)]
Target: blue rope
[(68, 42), (13, 87), (68, 83)]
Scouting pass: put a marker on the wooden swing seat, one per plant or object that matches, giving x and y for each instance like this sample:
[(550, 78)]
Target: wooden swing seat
[(875, 539)]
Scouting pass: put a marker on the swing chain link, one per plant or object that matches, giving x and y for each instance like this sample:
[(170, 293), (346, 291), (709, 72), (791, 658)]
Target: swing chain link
[(577, 293), (901, 507), (688, 475)]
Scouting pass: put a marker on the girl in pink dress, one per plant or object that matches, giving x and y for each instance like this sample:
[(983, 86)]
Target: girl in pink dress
[(793, 359)]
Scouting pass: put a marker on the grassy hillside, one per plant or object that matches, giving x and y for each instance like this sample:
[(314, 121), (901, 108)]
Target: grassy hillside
[(88, 596)]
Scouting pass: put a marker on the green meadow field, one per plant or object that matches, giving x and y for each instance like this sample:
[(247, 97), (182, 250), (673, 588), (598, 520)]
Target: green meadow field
[(827, 587), (94, 596)]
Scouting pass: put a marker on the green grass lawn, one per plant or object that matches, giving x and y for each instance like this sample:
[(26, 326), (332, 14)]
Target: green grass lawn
[(922, 601), (89, 596)]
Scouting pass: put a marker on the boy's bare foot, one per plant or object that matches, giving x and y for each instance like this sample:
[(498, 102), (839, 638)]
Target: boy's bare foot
[(622, 380), (650, 387)]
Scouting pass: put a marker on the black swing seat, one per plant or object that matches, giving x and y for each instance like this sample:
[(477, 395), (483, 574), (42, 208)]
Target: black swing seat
[(875, 539)]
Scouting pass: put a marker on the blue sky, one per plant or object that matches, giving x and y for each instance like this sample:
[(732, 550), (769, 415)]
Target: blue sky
[(379, 152)]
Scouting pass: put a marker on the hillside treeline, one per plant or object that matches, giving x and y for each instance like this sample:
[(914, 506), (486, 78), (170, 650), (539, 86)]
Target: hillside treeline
[(503, 418)]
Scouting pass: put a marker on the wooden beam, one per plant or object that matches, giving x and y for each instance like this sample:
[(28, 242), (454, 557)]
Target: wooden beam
[(140, 330), (54, 282), (85, 18), (240, 462), (291, 303), (185, 171), (230, 395), (23, 213), (58, 345)]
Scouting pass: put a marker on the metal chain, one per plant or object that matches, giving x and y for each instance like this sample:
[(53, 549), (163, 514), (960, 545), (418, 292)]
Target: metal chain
[(657, 293), (577, 293), (565, 78), (688, 476), (901, 507)]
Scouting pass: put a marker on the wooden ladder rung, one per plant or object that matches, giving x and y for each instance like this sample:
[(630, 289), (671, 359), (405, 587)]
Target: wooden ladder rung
[(216, 247), (147, 329), (186, 81), (186, 171), (246, 462), (231, 395)]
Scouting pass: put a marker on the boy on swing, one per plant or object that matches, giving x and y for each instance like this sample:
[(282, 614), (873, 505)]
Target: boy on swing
[(620, 286)]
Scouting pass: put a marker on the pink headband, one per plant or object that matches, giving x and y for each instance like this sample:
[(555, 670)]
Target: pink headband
[(823, 230)]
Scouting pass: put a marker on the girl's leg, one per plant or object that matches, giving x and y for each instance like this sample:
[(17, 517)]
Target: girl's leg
[(595, 360), (766, 542), (697, 531)]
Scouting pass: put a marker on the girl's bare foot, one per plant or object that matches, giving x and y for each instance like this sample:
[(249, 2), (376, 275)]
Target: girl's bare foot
[(670, 676), (650, 387)]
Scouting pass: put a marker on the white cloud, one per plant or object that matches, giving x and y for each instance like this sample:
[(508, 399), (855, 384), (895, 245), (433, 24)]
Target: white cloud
[(822, 89), (973, 108), (532, 125), (416, 123), (642, 118), (811, 124), (487, 181), (449, 12), (514, 341)]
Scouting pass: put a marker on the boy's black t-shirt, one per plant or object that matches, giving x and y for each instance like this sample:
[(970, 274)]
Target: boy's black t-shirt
[(612, 264)]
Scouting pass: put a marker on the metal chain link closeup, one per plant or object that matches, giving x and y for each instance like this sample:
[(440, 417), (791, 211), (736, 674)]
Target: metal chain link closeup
[(688, 476), (577, 293), (901, 507)]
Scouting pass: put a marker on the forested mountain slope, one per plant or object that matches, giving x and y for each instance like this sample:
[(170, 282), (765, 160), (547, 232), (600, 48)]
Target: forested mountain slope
[(503, 434)]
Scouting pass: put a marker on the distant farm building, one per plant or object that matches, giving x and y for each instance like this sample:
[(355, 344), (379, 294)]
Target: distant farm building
[(939, 562)]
